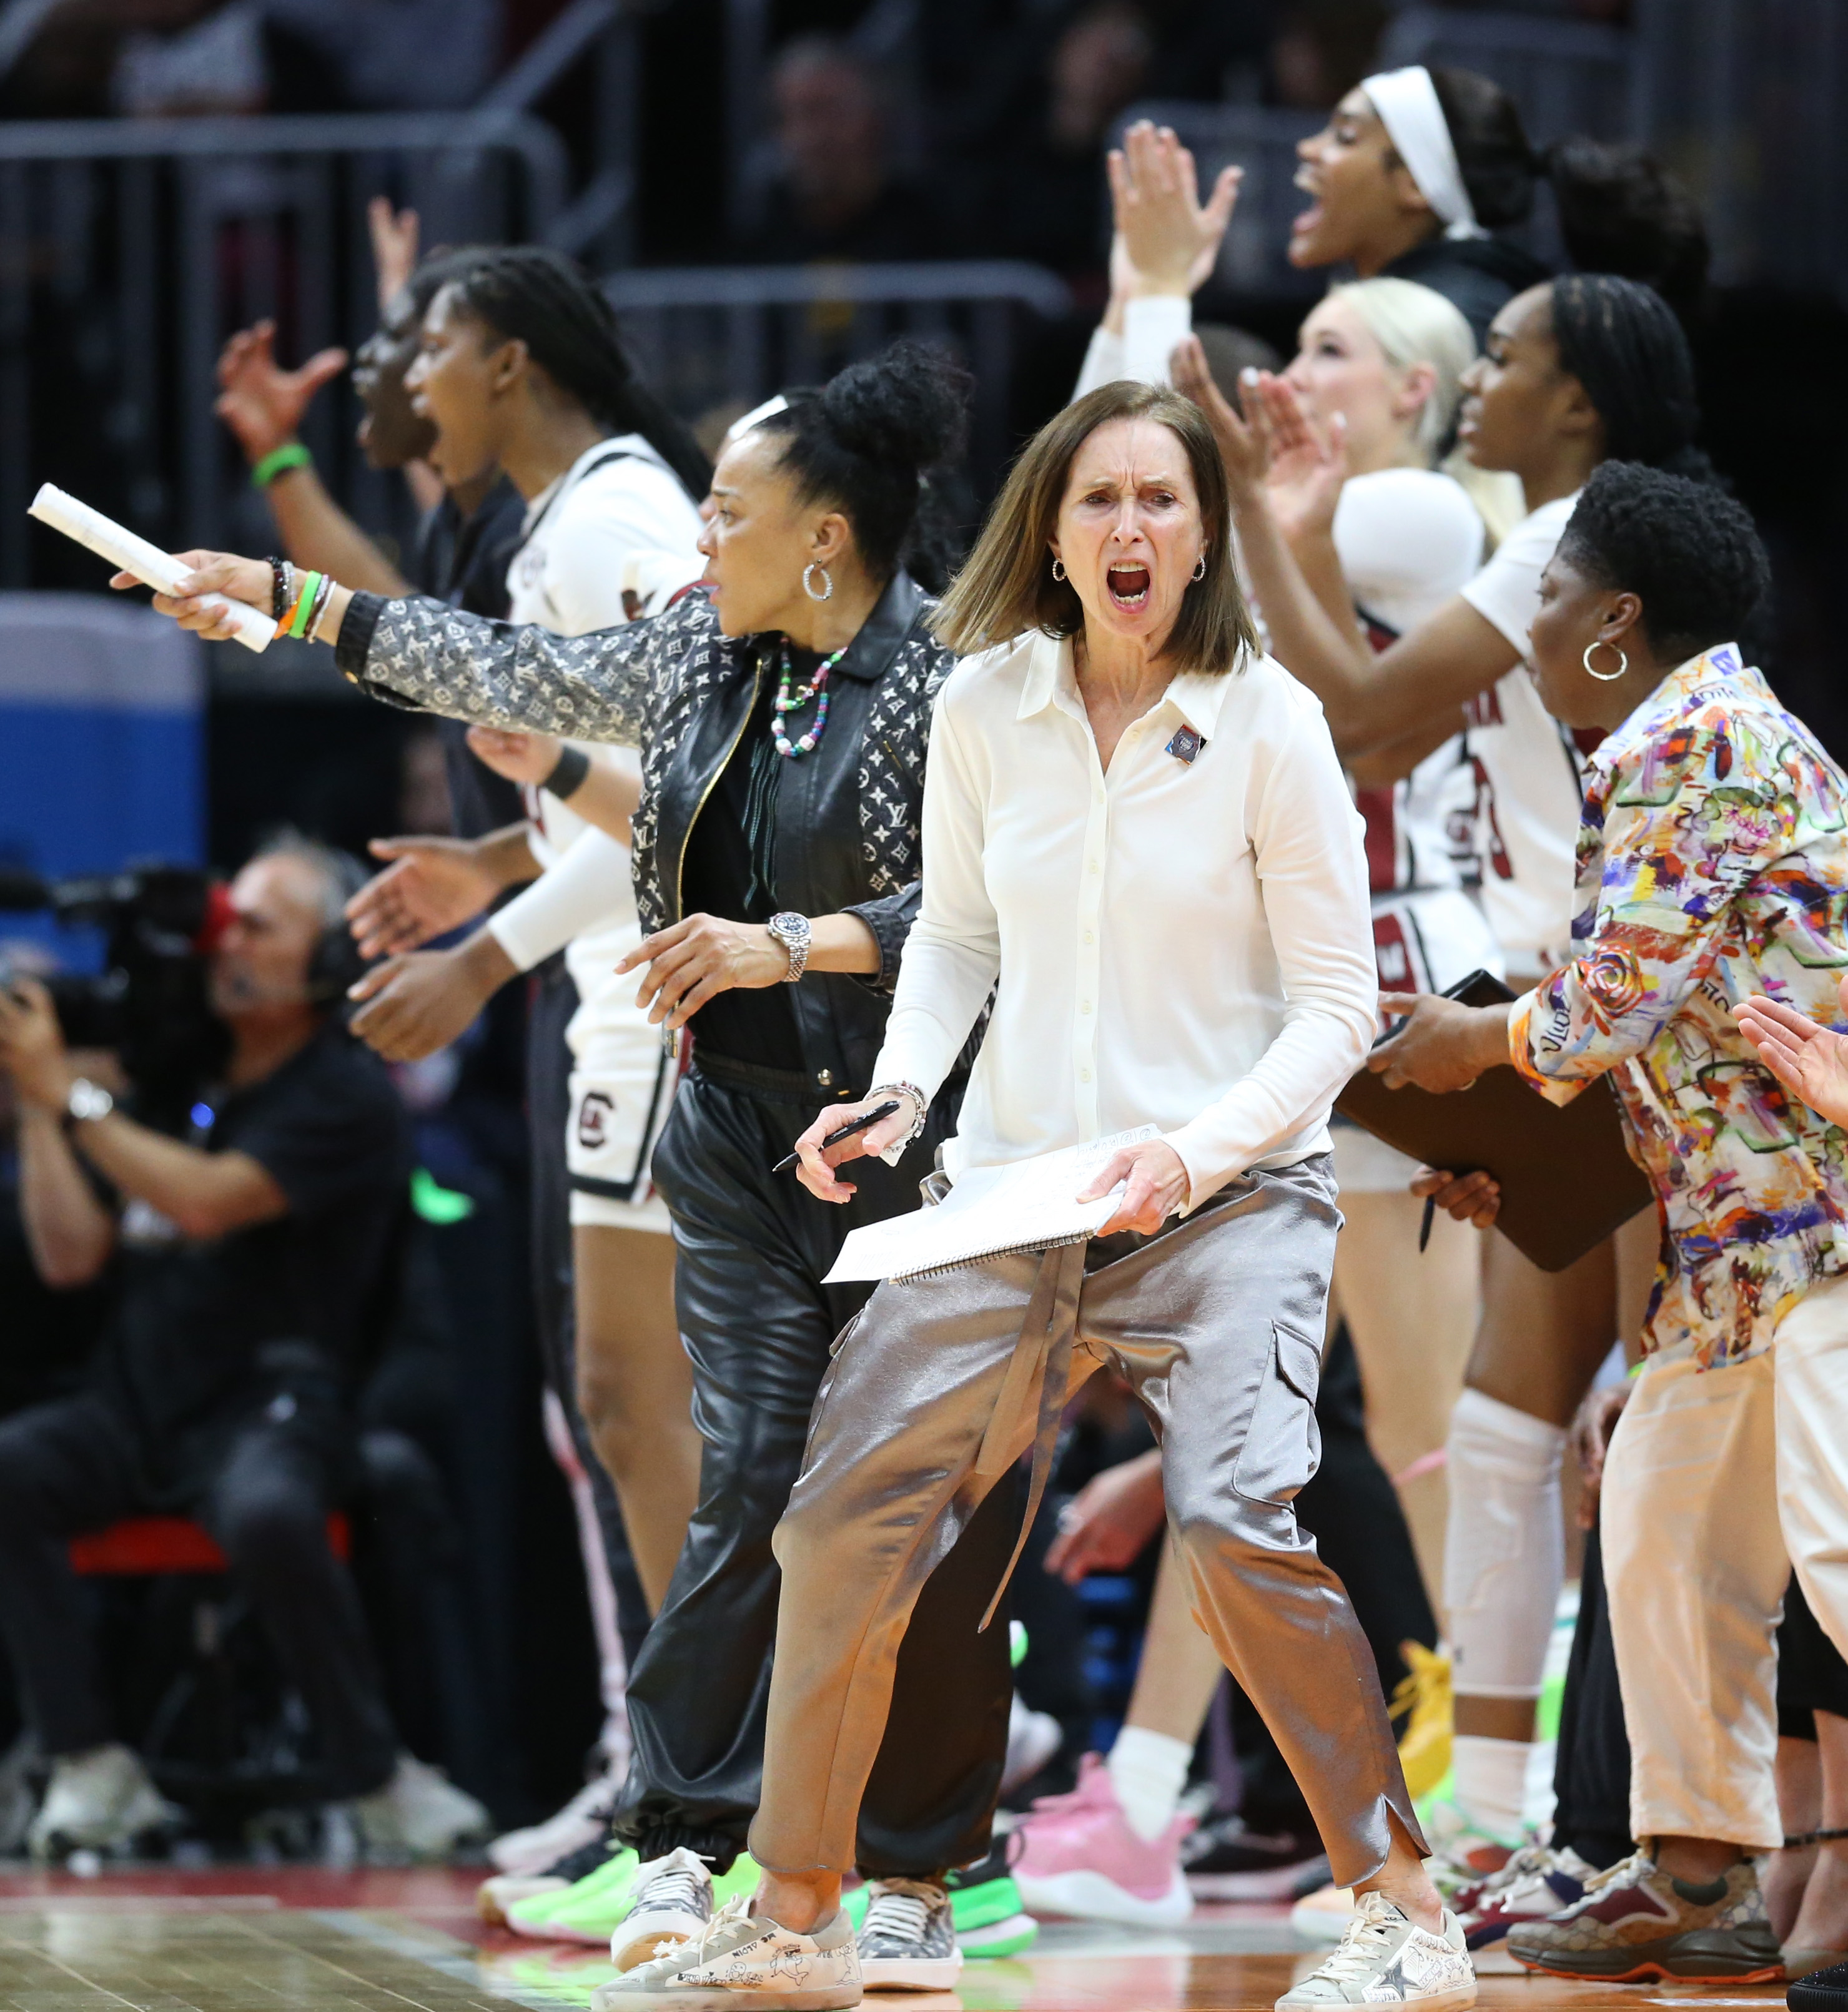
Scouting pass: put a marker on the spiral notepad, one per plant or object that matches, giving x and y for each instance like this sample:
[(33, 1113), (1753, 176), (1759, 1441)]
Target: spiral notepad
[(1030, 1205)]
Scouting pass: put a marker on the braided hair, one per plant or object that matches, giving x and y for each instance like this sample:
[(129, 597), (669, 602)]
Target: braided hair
[(1624, 344), (866, 439), (527, 294)]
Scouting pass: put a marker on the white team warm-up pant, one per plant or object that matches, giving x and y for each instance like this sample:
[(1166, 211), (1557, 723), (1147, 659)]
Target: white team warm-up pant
[(1717, 1485)]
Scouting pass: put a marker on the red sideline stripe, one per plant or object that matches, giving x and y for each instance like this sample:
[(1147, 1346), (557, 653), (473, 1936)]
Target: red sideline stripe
[(142, 1546)]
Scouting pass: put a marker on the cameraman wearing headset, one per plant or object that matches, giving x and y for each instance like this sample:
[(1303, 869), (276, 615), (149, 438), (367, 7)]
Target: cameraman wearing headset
[(247, 1256)]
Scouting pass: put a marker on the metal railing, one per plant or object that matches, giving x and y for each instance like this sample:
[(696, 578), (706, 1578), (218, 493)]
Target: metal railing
[(1567, 77), (598, 225), (727, 337), (129, 250)]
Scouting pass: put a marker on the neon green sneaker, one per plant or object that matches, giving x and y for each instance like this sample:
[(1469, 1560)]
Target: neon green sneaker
[(985, 1908), (574, 1914)]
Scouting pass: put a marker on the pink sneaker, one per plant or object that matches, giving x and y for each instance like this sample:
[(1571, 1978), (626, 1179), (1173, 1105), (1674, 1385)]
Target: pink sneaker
[(1077, 1855)]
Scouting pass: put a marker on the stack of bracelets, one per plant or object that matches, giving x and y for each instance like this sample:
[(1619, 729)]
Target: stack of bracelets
[(297, 598)]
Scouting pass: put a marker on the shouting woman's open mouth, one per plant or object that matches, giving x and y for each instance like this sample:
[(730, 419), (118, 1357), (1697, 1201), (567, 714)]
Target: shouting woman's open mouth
[(1128, 580)]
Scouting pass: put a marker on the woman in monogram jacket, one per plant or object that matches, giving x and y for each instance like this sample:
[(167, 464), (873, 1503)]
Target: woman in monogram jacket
[(782, 711)]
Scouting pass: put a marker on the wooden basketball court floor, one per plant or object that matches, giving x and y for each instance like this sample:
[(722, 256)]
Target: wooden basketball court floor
[(248, 1939)]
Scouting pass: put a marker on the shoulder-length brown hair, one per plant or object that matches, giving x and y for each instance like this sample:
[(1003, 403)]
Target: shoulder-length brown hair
[(1006, 586)]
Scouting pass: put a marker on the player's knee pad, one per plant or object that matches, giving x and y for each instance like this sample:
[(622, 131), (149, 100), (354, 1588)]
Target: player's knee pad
[(1504, 1553)]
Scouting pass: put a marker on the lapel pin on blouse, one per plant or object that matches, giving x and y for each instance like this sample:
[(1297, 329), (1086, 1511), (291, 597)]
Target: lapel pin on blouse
[(1186, 744)]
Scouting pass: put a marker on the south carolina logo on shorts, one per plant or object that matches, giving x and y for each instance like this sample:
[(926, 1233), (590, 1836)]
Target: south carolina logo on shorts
[(594, 1116)]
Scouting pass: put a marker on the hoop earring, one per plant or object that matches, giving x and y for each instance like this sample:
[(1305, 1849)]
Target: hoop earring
[(827, 592), (1200, 569), (1604, 677), (1058, 569)]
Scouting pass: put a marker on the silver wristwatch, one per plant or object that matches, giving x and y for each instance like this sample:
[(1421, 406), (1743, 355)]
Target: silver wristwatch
[(795, 932), (87, 1100)]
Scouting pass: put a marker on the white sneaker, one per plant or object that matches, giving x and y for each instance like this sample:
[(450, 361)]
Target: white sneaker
[(907, 1940), (418, 1814), (95, 1802), (672, 1904), (1033, 1737), (1385, 1958), (540, 1846), (742, 1961)]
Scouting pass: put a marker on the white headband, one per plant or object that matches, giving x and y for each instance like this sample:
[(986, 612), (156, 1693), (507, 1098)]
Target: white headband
[(1407, 102), (755, 417)]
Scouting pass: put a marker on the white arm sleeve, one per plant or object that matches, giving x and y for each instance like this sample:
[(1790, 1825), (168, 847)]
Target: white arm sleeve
[(1152, 325), (1151, 328), (570, 897)]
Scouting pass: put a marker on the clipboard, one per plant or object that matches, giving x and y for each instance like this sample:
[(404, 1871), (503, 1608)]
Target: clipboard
[(1565, 1173)]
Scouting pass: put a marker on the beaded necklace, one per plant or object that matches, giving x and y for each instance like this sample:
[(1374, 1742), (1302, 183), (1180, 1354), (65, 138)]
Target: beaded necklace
[(787, 701)]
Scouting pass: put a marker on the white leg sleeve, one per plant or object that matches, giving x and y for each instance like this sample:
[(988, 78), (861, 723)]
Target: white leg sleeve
[(1505, 1554)]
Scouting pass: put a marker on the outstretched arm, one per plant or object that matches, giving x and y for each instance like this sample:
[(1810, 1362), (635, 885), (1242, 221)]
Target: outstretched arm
[(431, 658)]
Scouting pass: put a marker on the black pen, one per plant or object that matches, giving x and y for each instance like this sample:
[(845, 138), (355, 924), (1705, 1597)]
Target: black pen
[(865, 1124), (1425, 1227)]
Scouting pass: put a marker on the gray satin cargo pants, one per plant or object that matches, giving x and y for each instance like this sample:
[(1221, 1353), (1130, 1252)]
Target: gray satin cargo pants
[(941, 1384)]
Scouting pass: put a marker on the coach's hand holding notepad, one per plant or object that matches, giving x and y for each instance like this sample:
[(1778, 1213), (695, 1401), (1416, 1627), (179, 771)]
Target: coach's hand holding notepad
[(1028, 1205), (148, 563)]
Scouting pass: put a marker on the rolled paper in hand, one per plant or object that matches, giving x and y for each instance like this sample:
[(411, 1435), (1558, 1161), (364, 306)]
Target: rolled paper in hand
[(148, 563)]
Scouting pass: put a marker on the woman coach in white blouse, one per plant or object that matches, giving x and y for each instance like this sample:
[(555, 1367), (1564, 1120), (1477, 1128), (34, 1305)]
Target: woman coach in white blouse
[(1137, 836)]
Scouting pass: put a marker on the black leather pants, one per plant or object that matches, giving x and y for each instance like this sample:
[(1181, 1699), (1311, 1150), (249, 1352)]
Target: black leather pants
[(752, 1247)]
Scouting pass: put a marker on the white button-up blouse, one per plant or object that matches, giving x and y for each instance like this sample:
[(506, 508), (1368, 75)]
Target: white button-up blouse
[(1180, 942)]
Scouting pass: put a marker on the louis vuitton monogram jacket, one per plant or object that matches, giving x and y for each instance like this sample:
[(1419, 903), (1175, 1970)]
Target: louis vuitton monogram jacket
[(847, 815)]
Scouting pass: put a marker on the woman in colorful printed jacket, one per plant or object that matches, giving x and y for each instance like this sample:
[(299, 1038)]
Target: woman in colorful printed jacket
[(1712, 867)]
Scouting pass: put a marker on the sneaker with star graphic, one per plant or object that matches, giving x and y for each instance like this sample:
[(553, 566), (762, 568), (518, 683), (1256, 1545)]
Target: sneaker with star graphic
[(1385, 1958), (748, 1963)]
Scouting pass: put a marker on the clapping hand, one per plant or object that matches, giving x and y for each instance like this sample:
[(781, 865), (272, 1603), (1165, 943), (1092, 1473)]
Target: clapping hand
[(413, 1005), (1170, 239), (1243, 438), (1309, 458), (433, 886), (1804, 1056)]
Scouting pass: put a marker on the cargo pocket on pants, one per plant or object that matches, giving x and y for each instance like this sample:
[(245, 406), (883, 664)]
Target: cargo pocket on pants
[(1283, 1446)]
